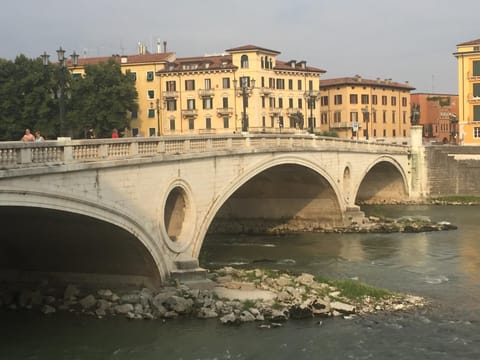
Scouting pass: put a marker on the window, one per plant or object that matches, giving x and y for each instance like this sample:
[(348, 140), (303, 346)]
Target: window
[(353, 99), (226, 83), (353, 116), (290, 84), (324, 101), (281, 84), (337, 116), (191, 124), (135, 132), (476, 113), (208, 123), (225, 102), (191, 104), (394, 133), (476, 90), (244, 81), (384, 116), (374, 99), (337, 99), (384, 132), (244, 62), (264, 121), (280, 103), (151, 113), (189, 84), (374, 116), (171, 105), (271, 102), (207, 103), (132, 75), (476, 132), (404, 117), (404, 101), (310, 85), (290, 103), (299, 85), (263, 102), (324, 117), (364, 99), (393, 117), (151, 94), (172, 124), (226, 124), (134, 115), (384, 100), (394, 100), (271, 83), (476, 67), (151, 131), (150, 75), (300, 104), (171, 86), (208, 84)]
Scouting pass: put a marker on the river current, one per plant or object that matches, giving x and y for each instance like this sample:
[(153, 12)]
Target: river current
[(443, 266)]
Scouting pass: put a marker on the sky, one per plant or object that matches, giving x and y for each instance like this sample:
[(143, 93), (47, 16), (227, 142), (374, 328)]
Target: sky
[(406, 40)]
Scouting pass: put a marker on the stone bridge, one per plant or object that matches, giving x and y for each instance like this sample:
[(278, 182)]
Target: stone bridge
[(137, 210)]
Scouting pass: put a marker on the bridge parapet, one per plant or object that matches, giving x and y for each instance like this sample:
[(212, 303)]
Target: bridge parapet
[(65, 151)]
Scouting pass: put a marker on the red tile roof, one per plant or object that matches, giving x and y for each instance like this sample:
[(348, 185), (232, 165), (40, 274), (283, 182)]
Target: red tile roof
[(252, 48), (357, 80), (473, 42), (197, 63), (298, 66), (130, 59)]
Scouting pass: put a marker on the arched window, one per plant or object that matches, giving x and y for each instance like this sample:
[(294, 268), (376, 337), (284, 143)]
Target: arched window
[(244, 62)]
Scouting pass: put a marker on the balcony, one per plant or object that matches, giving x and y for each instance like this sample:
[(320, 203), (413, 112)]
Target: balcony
[(225, 111), (341, 125), (265, 91), (473, 99), (188, 113), (205, 92), (170, 94), (275, 111), (291, 111)]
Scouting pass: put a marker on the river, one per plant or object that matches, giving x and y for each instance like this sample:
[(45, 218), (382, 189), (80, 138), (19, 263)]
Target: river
[(441, 266)]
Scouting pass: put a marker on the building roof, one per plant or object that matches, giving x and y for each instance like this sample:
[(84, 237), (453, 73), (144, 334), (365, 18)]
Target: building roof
[(127, 59), (472, 42), (252, 48), (296, 66), (358, 80), (197, 63)]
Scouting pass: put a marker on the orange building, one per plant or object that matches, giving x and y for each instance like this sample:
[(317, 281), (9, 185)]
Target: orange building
[(438, 115)]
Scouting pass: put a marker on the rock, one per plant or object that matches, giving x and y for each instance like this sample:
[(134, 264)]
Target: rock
[(170, 315), (179, 304), (305, 279), (71, 292), (342, 307), (207, 313), (130, 298), (105, 294), (88, 301), (103, 304), (47, 309), (100, 312), (138, 309), (229, 319), (123, 309), (279, 315), (299, 312), (246, 316)]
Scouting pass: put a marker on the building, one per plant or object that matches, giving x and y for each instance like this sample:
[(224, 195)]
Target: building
[(437, 113), (244, 89), (468, 59), (355, 107)]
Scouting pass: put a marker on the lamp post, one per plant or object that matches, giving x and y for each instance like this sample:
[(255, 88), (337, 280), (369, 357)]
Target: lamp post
[(245, 90), (159, 131), (366, 119), (311, 97), (61, 80), (453, 121)]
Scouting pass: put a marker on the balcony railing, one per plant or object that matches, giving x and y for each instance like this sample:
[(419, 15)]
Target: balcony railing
[(341, 125), (473, 99), (275, 111), (170, 94), (265, 90), (189, 112), (225, 111), (291, 111), (205, 92)]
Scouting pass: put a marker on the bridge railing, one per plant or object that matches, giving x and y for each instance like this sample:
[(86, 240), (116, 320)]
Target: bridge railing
[(16, 154)]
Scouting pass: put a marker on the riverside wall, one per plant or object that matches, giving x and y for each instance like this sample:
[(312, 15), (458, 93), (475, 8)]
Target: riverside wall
[(452, 170)]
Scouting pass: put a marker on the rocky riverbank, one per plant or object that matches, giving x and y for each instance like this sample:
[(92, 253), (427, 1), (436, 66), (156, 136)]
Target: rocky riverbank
[(234, 296)]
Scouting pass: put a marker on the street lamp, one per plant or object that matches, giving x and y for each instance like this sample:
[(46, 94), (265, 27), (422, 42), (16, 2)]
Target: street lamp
[(159, 131), (61, 80), (311, 97), (366, 120), (453, 121), (245, 90)]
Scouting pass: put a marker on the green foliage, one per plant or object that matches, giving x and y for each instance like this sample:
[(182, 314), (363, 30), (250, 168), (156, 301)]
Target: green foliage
[(29, 98), (353, 289)]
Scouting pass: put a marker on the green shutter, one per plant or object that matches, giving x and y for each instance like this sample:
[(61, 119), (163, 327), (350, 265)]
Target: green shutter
[(476, 68), (476, 113)]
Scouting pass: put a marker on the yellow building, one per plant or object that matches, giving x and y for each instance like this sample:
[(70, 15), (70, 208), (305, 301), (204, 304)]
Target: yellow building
[(468, 58), (244, 89), (354, 107)]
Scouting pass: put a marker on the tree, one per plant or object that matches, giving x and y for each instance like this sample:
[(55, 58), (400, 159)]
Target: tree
[(101, 99)]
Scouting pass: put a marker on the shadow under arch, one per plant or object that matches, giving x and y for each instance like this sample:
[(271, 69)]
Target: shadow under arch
[(286, 192), (65, 239), (384, 181)]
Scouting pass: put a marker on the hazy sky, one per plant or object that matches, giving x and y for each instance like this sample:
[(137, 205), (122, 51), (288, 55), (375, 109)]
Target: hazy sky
[(403, 40)]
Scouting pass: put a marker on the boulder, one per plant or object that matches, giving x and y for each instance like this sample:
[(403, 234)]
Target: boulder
[(88, 301), (300, 312), (123, 308), (342, 307), (71, 292), (179, 304)]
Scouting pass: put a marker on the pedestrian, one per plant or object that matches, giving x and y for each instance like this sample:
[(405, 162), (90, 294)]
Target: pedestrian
[(90, 134), (28, 136), (115, 134), (38, 136)]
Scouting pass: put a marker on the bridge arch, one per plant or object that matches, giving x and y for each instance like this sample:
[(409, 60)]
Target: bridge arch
[(308, 168), (134, 236), (384, 180)]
